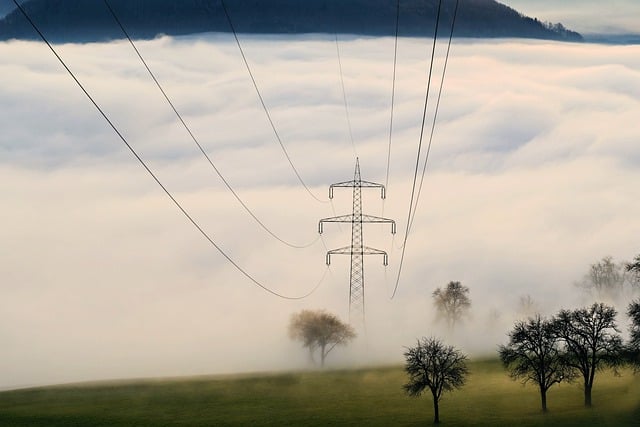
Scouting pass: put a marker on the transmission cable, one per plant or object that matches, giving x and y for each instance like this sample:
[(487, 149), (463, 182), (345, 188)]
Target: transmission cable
[(344, 97), (195, 140), (155, 178), (435, 115), (393, 97), (417, 167), (264, 105)]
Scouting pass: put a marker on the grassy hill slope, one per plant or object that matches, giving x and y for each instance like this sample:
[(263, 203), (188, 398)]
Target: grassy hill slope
[(353, 397)]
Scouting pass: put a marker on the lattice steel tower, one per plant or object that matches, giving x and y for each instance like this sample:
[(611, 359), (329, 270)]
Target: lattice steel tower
[(357, 249)]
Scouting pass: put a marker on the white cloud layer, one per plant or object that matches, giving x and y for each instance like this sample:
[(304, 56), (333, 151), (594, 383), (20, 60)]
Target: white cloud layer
[(533, 176)]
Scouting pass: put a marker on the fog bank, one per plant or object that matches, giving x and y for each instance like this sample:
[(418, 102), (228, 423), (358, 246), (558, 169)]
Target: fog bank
[(533, 176)]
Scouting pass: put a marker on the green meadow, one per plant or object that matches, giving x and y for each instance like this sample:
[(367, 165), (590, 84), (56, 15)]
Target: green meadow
[(319, 398)]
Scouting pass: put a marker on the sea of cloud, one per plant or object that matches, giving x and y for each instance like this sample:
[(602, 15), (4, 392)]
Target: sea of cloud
[(532, 176)]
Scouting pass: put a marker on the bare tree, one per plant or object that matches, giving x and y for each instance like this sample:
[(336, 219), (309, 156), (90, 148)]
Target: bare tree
[(527, 307), (493, 318), (634, 341), (533, 354), (633, 268), (592, 341), (434, 366), (319, 330), (452, 303), (606, 279), (635, 265)]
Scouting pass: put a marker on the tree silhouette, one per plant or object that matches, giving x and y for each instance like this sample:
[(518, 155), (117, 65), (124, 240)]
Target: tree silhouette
[(434, 366), (635, 265), (319, 330), (533, 354), (592, 341), (634, 269), (452, 303), (634, 341), (527, 307), (606, 279)]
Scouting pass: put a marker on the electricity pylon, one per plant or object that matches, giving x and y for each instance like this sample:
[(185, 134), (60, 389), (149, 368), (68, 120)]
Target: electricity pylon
[(357, 249)]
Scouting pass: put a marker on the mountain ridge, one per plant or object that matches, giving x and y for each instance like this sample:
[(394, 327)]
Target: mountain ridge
[(90, 21)]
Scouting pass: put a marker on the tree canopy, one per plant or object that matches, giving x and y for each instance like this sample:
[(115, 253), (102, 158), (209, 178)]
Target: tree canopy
[(634, 269), (592, 341), (527, 307), (433, 365), (533, 354), (635, 265), (606, 279), (452, 303), (319, 330)]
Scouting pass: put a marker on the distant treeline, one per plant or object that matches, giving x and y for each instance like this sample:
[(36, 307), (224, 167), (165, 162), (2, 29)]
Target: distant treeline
[(89, 20)]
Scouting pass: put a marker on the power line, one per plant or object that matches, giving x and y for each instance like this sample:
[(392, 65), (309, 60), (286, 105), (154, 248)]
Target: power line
[(415, 175), (393, 97), (344, 97), (264, 106), (195, 140), (155, 178), (435, 114)]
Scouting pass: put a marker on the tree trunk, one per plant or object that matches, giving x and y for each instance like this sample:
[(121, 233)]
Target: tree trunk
[(543, 398), (436, 411), (587, 395), (451, 325), (322, 356)]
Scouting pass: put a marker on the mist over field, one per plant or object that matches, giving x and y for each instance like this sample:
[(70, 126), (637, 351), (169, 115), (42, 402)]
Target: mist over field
[(532, 176)]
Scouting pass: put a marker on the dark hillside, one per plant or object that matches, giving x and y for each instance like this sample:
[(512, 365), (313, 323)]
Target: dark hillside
[(89, 20), (6, 6)]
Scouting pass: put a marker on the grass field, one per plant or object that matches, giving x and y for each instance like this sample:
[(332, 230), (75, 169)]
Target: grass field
[(350, 397)]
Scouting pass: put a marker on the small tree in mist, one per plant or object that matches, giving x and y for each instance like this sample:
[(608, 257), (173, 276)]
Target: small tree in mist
[(633, 347), (493, 318), (527, 307), (533, 355), (319, 330), (434, 366), (606, 279), (592, 341), (452, 303)]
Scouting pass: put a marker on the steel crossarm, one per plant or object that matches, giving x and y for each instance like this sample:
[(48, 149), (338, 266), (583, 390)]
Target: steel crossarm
[(341, 218), (361, 184), (366, 250), (380, 220), (354, 218)]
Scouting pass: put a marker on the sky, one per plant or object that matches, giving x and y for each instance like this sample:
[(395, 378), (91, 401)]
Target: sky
[(532, 176)]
